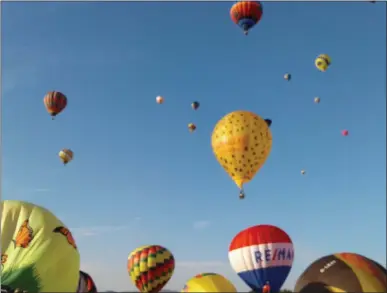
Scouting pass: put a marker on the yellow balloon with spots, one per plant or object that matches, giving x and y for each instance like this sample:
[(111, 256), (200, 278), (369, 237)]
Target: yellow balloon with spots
[(241, 142), (38, 252)]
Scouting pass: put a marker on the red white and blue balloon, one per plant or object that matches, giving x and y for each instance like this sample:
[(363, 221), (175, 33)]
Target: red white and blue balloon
[(262, 254)]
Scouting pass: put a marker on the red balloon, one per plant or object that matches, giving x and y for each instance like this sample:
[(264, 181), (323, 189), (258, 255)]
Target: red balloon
[(246, 14), (55, 102), (345, 132)]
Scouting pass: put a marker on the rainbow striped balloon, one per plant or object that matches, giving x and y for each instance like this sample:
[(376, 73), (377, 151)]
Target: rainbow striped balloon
[(262, 255), (150, 267)]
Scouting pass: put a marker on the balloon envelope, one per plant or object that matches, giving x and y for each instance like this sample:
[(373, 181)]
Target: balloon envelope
[(241, 142), (343, 272), (150, 267), (246, 14), (345, 132), (261, 254), (209, 282), (66, 156), (55, 102), (86, 283), (322, 62), (38, 253)]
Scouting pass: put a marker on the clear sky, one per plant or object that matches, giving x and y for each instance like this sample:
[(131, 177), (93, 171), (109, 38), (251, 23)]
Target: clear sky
[(139, 177)]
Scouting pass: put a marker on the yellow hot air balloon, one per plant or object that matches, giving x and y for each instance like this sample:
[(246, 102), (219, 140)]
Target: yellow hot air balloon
[(241, 142), (38, 252), (66, 156), (209, 282), (322, 62)]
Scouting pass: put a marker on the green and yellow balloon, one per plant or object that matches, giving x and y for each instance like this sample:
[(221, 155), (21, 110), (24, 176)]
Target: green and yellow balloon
[(38, 252)]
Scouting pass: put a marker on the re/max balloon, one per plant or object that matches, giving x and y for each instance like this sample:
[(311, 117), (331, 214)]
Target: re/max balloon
[(343, 272), (209, 282), (150, 267), (38, 252), (262, 254)]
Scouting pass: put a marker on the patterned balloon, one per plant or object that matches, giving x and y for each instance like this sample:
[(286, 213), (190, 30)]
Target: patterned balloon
[(150, 267), (343, 272), (323, 62), (209, 282), (55, 102), (38, 252), (262, 254), (241, 142), (246, 14), (86, 283), (66, 156)]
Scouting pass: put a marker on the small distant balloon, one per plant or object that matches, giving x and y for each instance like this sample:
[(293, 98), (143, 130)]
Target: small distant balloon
[(268, 122), (66, 156), (287, 77), (159, 100), (345, 132), (246, 14), (191, 127), (55, 102), (303, 172), (322, 62), (317, 100), (195, 105)]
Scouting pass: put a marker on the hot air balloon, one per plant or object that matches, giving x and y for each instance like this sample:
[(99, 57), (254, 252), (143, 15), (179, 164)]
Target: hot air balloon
[(66, 156), (262, 254), (317, 100), (195, 105), (86, 283), (38, 252), (191, 127), (150, 267), (345, 132), (287, 77), (241, 142), (303, 172), (55, 102), (159, 100), (343, 272), (268, 122), (322, 62), (246, 14), (209, 282)]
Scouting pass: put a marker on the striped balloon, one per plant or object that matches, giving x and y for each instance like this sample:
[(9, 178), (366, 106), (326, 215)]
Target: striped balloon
[(86, 283), (150, 267), (55, 102), (262, 255)]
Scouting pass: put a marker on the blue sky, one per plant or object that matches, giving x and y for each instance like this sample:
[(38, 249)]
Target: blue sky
[(140, 177)]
